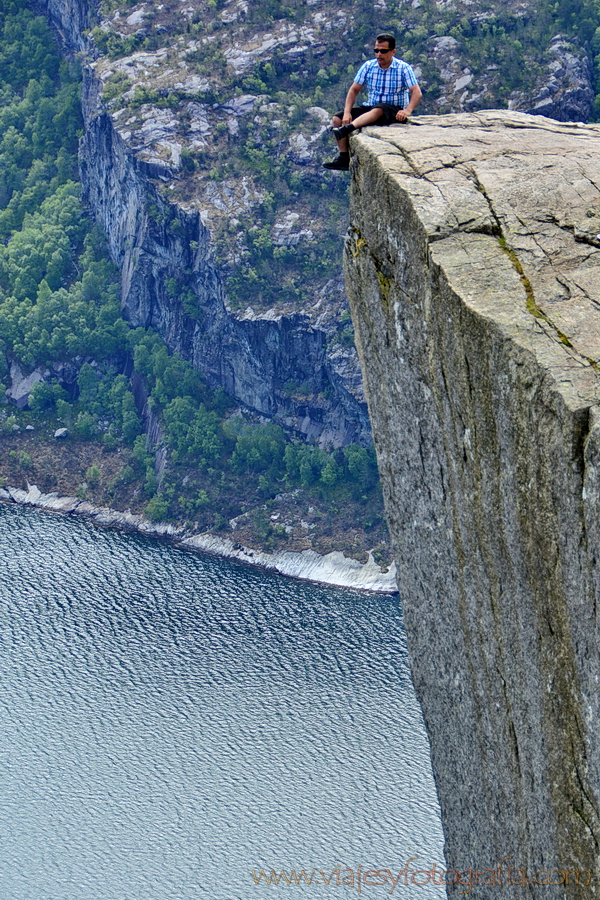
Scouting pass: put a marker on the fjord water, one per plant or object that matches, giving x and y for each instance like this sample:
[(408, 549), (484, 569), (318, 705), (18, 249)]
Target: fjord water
[(171, 722)]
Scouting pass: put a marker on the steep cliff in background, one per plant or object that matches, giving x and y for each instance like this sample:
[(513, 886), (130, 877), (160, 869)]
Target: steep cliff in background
[(71, 18), (170, 280), (473, 270)]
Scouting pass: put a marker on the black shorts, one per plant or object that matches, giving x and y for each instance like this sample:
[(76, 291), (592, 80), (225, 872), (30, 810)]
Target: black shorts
[(388, 117)]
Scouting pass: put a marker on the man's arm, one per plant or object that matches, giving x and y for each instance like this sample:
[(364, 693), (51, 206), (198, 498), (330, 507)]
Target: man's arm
[(355, 89), (415, 99)]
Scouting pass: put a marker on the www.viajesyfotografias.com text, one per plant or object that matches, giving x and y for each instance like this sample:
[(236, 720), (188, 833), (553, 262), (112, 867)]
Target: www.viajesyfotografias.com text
[(362, 878)]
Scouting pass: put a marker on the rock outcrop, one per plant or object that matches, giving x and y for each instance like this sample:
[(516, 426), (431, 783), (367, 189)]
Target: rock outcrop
[(171, 281), (563, 89), (71, 18), (21, 385), (566, 92), (473, 270)]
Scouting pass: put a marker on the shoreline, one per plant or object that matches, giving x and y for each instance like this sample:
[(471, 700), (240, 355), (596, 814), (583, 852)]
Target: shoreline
[(333, 569)]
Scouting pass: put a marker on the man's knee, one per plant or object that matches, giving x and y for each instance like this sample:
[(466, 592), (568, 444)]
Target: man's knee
[(336, 121)]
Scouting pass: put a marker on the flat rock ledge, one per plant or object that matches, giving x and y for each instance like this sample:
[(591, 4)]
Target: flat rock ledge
[(332, 568), (473, 272)]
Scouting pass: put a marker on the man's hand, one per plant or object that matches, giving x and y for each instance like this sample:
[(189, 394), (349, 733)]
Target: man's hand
[(351, 96), (415, 98)]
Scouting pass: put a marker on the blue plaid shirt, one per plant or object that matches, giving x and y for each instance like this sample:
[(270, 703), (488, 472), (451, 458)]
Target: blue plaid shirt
[(387, 85)]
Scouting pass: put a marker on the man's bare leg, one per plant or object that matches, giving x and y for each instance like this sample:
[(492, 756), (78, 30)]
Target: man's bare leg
[(343, 160), (366, 118), (343, 143)]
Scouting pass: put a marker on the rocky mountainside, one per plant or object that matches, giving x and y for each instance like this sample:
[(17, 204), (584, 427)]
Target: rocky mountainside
[(476, 307), (206, 125)]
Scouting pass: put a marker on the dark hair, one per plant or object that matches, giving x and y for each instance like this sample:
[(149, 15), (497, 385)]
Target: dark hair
[(388, 38)]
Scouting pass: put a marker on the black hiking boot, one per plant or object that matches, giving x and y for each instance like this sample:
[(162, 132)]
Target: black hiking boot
[(341, 162)]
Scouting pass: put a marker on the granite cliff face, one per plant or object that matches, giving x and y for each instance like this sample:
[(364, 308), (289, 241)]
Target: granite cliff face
[(71, 18), (473, 270), (170, 280)]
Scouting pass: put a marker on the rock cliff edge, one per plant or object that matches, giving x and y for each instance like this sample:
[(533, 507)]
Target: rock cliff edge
[(473, 270)]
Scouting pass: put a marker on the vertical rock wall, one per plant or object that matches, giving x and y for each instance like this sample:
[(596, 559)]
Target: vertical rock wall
[(70, 18), (473, 270), (166, 258)]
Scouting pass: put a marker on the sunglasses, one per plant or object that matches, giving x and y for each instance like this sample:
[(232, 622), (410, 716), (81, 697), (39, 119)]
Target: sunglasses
[(379, 50)]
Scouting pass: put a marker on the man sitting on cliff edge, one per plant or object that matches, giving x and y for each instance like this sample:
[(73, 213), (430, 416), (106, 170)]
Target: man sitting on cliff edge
[(393, 95)]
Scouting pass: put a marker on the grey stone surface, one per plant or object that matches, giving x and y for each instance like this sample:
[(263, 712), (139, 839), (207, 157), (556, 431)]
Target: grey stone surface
[(21, 385), (154, 242), (252, 358), (473, 270)]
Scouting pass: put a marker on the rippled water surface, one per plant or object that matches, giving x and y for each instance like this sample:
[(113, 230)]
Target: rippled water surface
[(171, 722)]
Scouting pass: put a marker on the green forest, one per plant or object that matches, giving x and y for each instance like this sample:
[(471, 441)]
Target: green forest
[(59, 314)]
